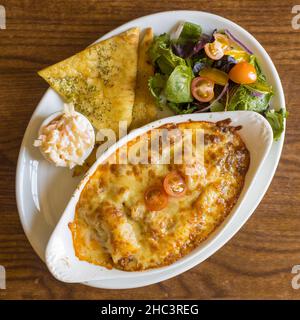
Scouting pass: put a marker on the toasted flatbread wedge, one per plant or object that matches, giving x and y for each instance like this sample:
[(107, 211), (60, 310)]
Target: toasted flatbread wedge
[(144, 109), (100, 80)]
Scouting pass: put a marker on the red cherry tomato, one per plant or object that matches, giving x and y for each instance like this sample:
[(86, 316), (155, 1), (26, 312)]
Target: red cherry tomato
[(243, 73), (156, 198), (174, 184), (202, 89)]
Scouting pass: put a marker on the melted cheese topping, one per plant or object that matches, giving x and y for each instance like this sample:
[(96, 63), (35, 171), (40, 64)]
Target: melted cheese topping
[(112, 226)]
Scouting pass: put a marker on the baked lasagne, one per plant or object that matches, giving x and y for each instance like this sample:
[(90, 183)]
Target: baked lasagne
[(123, 221)]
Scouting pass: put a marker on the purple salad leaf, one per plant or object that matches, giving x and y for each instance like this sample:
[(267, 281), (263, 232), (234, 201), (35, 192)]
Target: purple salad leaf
[(225, 64)]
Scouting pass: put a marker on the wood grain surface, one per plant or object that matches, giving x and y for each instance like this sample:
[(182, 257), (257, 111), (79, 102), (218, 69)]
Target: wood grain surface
[(257, 262)]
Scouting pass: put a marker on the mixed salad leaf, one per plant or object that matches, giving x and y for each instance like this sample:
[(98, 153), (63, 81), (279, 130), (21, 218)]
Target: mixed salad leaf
[(244, 99), (178, 85), (276, 120), (198, 72)]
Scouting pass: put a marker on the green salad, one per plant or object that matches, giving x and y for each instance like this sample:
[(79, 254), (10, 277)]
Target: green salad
[(197, 72)]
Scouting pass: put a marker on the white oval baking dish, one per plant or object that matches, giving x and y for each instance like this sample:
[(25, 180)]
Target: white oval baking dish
[(60, 256)]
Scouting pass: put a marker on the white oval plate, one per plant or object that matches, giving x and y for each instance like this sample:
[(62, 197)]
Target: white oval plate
[(43, 191), (60, 255)]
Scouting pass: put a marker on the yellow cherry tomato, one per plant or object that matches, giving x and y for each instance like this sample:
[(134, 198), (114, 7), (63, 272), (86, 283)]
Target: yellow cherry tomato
[(243, 73)]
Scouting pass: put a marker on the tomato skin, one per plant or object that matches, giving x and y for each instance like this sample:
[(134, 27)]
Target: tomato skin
[(213, 51), (155, 198), (174, 184), (203, 89), (215, 75), (223, 40), (243, 73), (217, 49)]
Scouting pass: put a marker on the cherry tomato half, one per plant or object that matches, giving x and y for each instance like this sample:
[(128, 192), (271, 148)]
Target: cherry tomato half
[(156, 198), (214, 50), (217, 49), (223, 40), (215, 75), (202, 89), (174, 184), (243, 73)]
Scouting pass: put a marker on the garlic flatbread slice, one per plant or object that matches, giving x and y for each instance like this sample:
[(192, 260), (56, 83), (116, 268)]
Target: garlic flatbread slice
[(100, 80), (144, 109)]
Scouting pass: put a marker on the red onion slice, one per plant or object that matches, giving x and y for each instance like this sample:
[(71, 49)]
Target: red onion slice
[(233, 38), (216, 100)]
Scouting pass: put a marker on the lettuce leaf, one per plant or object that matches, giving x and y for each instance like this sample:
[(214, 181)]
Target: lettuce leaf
[(162, 55), (276, 120), (182, 108), (156, 86), (159, 43), (191, 32), (217, 107), (178, 86), (254, 62), (242, 98), (168, 61), (261, 85)]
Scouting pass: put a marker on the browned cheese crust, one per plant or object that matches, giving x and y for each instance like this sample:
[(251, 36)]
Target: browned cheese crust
[(113, 227)]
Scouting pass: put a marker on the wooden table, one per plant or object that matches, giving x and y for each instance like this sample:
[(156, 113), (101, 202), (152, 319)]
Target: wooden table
[(257, 262)]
